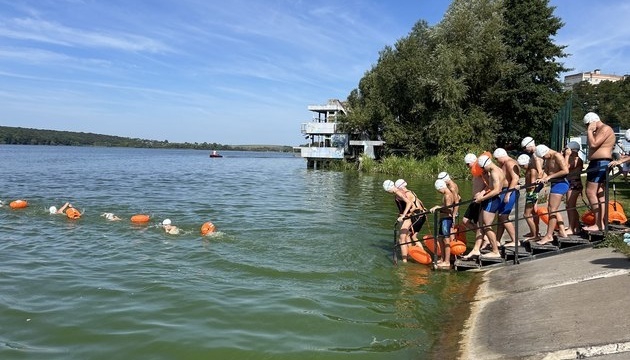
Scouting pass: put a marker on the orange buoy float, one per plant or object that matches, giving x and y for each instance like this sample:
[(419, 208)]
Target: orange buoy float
[(543, 214), (140, 218), (588, 218), (429, 243), (458, 247), (73, 213), (18, 204), (460, 233), (207, 228), (419, 255)]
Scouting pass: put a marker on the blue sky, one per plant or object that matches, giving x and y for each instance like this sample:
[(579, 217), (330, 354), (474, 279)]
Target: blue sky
[(231, 72)]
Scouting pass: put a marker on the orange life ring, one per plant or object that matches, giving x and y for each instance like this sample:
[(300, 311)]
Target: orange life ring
[(429, 243), (207, 228), (458, 247), (73, 213), (18, 204), (420, 255), (140, 218)]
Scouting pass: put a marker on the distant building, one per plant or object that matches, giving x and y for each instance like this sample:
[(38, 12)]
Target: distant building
[(327, 143), (592, 77)]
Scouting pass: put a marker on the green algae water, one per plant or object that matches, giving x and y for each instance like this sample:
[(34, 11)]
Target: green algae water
[(300, 266)]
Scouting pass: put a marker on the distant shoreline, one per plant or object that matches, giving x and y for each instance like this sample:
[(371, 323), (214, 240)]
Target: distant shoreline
[(25, 136)]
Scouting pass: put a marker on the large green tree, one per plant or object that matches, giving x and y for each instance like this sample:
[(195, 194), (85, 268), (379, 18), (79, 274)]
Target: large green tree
[(529, 94), (467, 83)]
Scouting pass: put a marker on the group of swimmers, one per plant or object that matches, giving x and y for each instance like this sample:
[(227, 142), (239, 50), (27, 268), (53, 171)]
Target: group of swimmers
[(496, 187), (73, 213)]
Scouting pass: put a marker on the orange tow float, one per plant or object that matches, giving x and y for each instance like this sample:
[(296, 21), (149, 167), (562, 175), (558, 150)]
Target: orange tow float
[(140, 218), (73, 213), (18, 204)]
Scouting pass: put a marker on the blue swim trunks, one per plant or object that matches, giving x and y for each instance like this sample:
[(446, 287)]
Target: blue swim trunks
[(597, 169), (492, 204), (445, 226), (559, 187), (506, 208)]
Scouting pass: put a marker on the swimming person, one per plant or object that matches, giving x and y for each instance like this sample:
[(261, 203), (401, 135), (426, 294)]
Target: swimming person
[(169, 228), (53, 209), (534, 172), (471, 218), (110, 216)]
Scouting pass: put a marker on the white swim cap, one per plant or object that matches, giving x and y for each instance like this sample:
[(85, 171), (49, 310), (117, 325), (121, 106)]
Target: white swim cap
[(523, 159), (400, 183), (573, 145), (109, 216), (590, 117), (628, 135), (528, 141), (52, 210), (541, 150), (470, 158), (166, 222), (440, 184), (444, 176), (388, 185), (499, 153), (483, 160)]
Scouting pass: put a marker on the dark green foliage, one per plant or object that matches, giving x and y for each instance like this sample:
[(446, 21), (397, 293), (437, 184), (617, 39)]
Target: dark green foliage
[(610, 100), (482, 77), (23, 136)]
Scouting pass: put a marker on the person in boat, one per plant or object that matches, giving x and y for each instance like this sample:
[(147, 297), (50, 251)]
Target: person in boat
[(575, 164), (556, 170), (509, 194), (445, 222), (490, 200), (407, 204), (601, 139), (169, 228)]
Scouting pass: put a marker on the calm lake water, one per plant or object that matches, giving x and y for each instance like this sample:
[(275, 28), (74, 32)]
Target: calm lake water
[(300, 266)]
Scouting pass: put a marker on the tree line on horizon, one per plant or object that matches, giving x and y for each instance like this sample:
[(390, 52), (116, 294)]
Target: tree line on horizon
[(25, 136), (485, 76)]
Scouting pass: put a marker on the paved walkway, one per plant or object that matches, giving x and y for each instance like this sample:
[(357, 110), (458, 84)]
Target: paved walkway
[(573, 305)]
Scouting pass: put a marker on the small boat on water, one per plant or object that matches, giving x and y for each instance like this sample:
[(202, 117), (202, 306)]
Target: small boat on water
[(215, 154)]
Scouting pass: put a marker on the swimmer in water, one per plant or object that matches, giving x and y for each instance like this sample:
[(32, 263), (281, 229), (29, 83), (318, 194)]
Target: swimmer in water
[(170, 229), (53, 209), (110, 216)]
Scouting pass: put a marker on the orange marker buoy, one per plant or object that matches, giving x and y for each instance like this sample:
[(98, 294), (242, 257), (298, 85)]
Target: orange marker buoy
[(73, 213), (18, 204), (420, 255), (429, 243), (460, 233), (140, 218), (588, 218), (207, 228), (458, 247), (543, 214)]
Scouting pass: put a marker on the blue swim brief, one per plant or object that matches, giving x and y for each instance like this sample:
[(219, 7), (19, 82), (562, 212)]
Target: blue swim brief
[(506, 208), (559, 187), (445, 226), (492, 204), (597, 169)]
